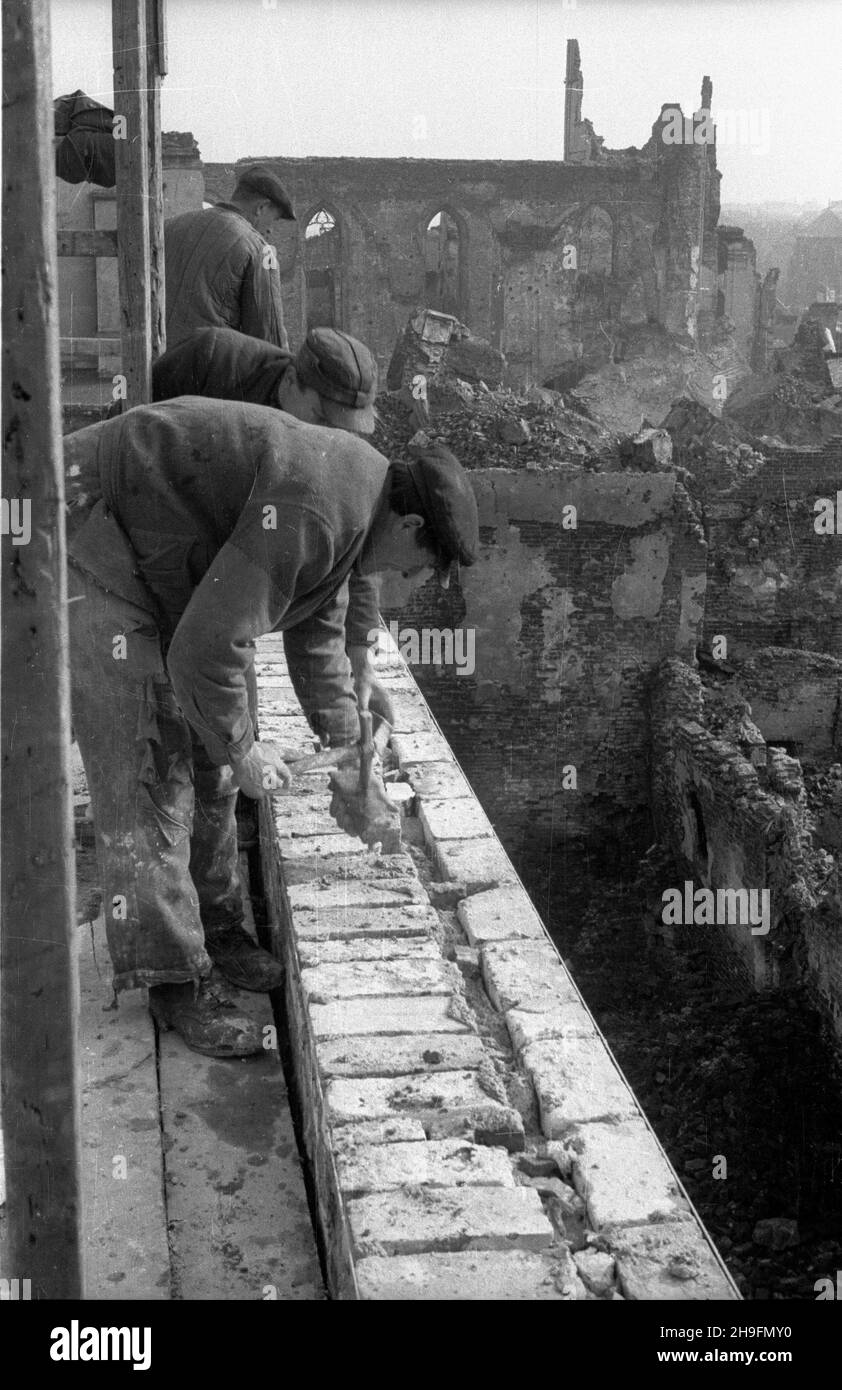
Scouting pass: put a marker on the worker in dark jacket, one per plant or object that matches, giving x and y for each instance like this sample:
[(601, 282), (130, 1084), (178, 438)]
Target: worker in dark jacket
[(332, 380), (220, 269), (217, 522)]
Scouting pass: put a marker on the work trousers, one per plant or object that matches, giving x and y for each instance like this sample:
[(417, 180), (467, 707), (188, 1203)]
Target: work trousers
[(164, 818)]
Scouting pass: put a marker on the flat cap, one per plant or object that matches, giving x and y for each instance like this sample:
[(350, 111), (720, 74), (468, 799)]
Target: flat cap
[(259, 178), (339, 367), (447, 502)]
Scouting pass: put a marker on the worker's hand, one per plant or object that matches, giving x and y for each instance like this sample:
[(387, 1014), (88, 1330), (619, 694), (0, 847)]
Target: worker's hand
[(371, 693), (367, 813), (263, 770)]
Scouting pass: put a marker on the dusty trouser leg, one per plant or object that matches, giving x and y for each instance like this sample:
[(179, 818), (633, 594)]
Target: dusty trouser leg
[(136, 750), (246, 809), (214, 865), (214, 859)]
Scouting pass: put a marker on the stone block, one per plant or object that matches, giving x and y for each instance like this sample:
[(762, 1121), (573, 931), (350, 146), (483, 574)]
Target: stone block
[(453, 820), (569, 1020), (596, 1269), (497, 1125), (421, 748), (499, 914), (411, 715), (476, 1276), (400, 794), (350, 1139), (341, 857), (354, 922), (442, 1163), (319, 897), (671, 1262), (576, 1082), (478, 863), (414, 1220), (526, 975), (340, 952), (401, 1056), (327, 847), (438, 781), (303, 816), (360, 979), (622, 1175), (420, 1013), (374, 1098)]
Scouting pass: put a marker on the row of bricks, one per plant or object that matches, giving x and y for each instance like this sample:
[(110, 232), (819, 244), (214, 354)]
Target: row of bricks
[(413, 1058)]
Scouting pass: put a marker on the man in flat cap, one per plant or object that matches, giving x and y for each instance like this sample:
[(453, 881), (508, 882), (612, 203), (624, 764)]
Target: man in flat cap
[(210, 523), (332, 379), (220, 269)]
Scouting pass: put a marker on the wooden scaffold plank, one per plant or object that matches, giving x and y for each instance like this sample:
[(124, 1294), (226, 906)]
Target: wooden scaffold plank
[(40, 991), (133, 175)]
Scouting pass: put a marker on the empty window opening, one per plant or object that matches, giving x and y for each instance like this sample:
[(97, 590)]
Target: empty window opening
[(596, 238), (322, 223), (323, 270), (443, 265), (701, 837)]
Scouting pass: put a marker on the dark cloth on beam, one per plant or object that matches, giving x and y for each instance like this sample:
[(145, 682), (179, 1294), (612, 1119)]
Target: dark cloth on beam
[(223, 363)]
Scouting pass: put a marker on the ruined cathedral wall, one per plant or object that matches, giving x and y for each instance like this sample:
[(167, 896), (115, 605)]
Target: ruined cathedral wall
[(732, 824), (518, 223), (550, 724)]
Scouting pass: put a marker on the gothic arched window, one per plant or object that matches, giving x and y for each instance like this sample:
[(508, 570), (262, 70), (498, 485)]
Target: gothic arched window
[(323, 269), (443, 252)]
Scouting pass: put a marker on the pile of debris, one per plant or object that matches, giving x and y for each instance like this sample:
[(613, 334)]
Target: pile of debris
[(445, 385), (795, 402), (650, 368), (716, 452)]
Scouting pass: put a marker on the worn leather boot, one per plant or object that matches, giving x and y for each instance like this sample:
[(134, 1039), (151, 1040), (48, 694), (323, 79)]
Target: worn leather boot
[(206, 1019), (242, 961)]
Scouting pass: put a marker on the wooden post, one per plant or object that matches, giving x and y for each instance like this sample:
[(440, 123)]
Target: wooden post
[(128, 24), (156, 69), (38, 970)]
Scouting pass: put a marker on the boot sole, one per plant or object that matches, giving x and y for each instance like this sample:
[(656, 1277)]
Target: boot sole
[(218, 1051), (243, 984)]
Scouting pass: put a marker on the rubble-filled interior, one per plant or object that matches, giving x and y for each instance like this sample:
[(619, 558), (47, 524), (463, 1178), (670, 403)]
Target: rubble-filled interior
[(657, 698)]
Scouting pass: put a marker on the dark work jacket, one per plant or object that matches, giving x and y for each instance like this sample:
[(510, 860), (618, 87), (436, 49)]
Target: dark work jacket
[(241, 521), (221, 273), (223, 363), (228, 365)]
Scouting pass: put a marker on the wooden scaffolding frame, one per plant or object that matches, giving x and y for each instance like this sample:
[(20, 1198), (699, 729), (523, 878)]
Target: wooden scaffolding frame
[(38, 970)]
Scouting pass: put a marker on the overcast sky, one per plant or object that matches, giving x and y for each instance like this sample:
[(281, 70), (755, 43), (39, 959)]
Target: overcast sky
[(484, 79)]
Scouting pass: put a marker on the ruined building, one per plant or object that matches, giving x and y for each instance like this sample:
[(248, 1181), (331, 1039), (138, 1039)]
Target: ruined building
[(550, 261), (815, 271), (554, 262)]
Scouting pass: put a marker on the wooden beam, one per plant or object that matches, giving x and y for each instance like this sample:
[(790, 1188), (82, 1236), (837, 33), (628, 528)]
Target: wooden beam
[(38, 974), (128, 26), (156, 55), (85, 243)]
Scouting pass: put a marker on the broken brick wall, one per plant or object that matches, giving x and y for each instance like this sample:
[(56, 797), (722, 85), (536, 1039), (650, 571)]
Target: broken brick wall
[(796, 702), (567, 625), (773, 580), (733, 823), (632, 225)]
